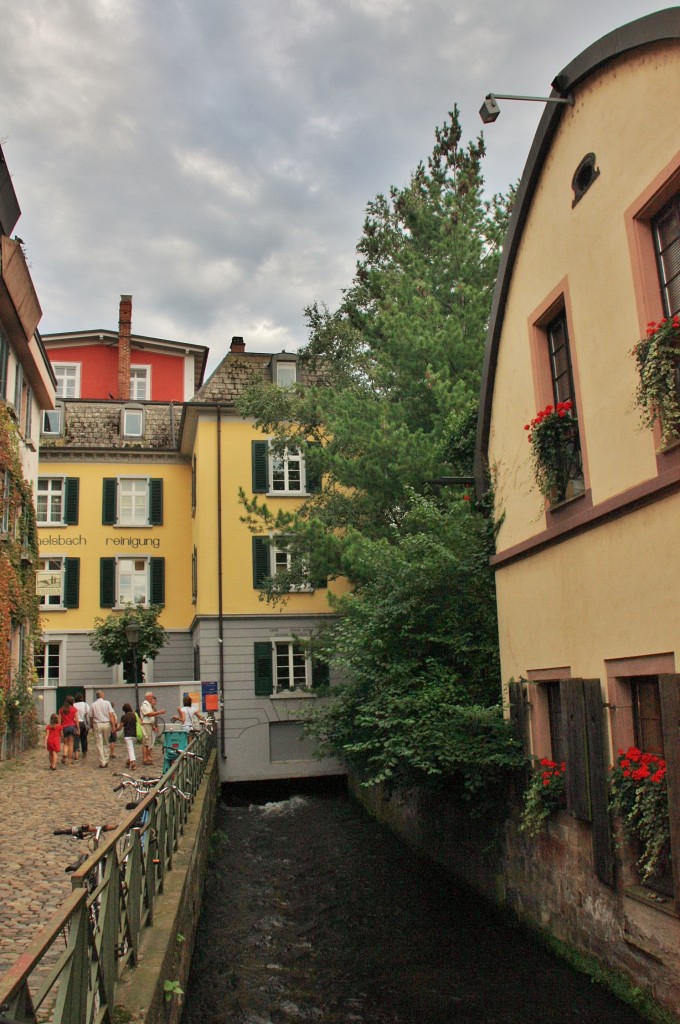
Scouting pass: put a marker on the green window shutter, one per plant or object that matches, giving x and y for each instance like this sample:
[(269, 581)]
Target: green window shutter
[(320, 673), (313, 471), (71, 582), (156, 502), (72, 491), (109, 501), (260, 451), (157, 581), (264, 685), (261, 569), (107, 582)]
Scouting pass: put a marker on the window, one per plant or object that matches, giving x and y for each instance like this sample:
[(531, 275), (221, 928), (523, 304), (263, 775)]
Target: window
[(6, 491), (18, 389), (563, 391), (557, 744), (281, 473), (285, 372), (271, 558), (140, 377), (68, 379), (666, 232), (58, 582), (646, 701), (126, 581), (194, 575), (132, 501), (584, 176), (48, 664), (28, 415), (52, 421), (285, 667), (132, 421), (57, 501), (4, 360)]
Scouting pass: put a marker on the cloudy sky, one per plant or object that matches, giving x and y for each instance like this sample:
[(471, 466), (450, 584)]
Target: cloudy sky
[(214, 157)]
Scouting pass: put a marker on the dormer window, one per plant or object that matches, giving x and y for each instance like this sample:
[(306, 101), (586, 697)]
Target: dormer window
[(53, 421), (132, 421), (284, 370)]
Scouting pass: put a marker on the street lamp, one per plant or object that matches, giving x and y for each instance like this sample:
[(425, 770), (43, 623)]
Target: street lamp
[(490, 110), (132, 632)]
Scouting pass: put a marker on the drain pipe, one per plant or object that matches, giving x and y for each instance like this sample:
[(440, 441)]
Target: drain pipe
[(220, 614)]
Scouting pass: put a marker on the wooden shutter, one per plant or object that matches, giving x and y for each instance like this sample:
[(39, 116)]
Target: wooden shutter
[(197, 662), (260, 456), (264, 684), (156, 502), (598, 760), (320, 673), (71, 494), (577, 783), (313, 472), (156, 581), (669, 693), (110, 488), (261, 549), (107, 582), (519, 713), (71, 582)]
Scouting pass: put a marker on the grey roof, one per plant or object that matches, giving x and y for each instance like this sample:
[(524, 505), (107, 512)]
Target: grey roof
[(238, 369), (96, 425)]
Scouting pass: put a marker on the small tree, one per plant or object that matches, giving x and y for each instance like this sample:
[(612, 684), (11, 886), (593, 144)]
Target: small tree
[(110, 642)]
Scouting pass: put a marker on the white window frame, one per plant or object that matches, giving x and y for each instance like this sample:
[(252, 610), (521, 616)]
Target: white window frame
[(127, 414), (285, 462), (47, 651), (140, 375), (286, 373), (18, 390), (140, 581), (287, 664), (68, 379), (49, 563), (132, 491), (53, 417), (52, 493), (6, 491), (280, 561)]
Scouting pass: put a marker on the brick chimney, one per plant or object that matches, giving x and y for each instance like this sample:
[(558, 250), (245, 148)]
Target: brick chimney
[(124, 330), (237, 345)]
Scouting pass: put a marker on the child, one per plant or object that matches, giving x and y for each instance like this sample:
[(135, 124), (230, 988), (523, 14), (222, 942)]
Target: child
[(53, 740), (128, 723)]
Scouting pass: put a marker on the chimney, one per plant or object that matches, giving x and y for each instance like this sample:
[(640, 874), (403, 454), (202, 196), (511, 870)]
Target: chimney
[(124, 329), (237, 345)]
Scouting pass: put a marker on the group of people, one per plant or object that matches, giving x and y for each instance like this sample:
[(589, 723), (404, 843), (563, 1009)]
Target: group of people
[(67, 731)]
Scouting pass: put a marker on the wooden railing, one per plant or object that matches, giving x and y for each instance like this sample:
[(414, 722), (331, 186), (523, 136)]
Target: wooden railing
[(68, 974)]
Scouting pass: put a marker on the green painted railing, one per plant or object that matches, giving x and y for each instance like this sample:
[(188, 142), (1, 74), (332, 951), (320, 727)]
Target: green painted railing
[(68, 974)]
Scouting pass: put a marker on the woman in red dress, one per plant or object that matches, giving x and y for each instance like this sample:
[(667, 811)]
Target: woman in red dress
[(68, 716)]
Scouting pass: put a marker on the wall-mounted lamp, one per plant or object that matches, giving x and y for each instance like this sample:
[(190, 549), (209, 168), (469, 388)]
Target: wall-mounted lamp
[(490, 110)]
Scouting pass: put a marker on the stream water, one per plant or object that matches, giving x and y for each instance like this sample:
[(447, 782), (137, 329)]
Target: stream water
[(313, 912)]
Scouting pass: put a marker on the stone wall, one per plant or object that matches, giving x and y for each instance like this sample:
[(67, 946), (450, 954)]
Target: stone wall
[(548, 882)]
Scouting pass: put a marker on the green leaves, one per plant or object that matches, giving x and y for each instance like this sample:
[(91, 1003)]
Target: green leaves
[(109, 641)]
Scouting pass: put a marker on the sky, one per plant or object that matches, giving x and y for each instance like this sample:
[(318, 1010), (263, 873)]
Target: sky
[(214, 158)]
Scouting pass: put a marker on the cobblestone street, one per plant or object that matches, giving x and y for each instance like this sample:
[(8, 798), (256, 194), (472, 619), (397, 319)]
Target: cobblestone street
[(34, 802)]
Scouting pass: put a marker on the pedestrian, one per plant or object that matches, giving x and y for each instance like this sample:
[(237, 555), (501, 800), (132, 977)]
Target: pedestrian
[(128, 723), (187, 716), (80, 740), (53, 740), (103, 720), (147, 714), (115, 729), (68, 717)]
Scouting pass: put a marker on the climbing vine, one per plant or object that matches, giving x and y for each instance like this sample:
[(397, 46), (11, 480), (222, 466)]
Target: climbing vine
[(19, 605)]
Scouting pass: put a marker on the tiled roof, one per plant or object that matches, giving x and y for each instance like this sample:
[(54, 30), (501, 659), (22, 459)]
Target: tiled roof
[(90, 424), (238, 369)]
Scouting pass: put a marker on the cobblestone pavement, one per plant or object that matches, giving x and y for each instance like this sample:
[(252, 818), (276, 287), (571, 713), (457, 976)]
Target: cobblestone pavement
[(35, 801)]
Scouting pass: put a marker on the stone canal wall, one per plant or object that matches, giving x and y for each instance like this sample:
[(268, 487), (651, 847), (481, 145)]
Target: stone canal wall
[(549, 883), (167, 948)]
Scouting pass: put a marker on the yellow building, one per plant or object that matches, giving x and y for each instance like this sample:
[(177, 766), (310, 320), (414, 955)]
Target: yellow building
[(137, 502), (585, 570)]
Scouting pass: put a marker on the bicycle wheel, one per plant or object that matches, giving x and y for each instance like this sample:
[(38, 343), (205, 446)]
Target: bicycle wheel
[(160, 726)]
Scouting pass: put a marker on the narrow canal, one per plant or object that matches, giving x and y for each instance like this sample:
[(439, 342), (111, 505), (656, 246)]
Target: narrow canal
[(313, 912)]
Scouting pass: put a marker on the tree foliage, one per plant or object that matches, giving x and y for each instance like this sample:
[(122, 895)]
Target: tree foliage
[(109, 641), (391, 407)]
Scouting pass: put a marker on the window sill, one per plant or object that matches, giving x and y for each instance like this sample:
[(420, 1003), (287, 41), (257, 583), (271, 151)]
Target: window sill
[(287, 494), (50, 526), (641, 894), (48, 609), (132, 526), (293, 695), (567, 503)]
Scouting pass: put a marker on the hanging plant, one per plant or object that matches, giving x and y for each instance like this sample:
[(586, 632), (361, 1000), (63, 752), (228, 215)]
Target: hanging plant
[(657, 358), (544, 795), (553, 436), (639, 796)]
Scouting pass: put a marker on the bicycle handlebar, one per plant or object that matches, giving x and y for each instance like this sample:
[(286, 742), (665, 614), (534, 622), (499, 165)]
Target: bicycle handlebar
[(79, 831)]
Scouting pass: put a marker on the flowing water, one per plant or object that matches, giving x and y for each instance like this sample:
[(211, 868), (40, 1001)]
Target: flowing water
[(313, 912)]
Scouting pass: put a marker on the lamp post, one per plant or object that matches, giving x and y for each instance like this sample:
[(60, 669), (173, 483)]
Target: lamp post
[(132, 633)]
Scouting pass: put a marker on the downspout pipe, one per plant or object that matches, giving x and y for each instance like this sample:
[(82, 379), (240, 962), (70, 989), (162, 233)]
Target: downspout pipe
[(220, 611)]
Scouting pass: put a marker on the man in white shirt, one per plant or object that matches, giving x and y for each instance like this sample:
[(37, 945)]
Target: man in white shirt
[(103, 720), (147, 715)]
